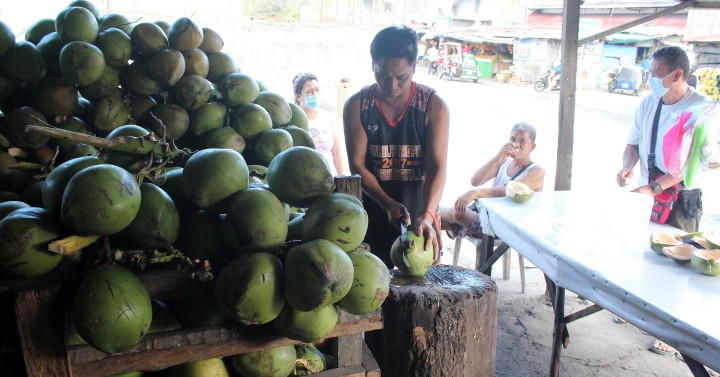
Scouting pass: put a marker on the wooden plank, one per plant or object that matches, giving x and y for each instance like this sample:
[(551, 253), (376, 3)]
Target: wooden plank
[(372, 369), (348, 349), (40, 325), (182, 346), (571, 27)]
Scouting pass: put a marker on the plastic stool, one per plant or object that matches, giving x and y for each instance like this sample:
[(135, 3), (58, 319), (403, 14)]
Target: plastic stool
[(506, 258)]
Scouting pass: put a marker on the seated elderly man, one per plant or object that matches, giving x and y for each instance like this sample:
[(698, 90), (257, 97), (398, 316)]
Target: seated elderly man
[(512, 163)]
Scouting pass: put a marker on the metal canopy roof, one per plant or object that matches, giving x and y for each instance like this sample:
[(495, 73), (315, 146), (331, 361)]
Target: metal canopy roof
[(570, 43)]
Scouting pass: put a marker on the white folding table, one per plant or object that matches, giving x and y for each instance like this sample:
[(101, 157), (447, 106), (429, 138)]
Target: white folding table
[(597, 245)]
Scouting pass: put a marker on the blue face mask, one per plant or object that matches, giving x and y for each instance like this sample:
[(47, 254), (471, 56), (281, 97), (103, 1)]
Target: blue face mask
[(311, 102), (656, 85)]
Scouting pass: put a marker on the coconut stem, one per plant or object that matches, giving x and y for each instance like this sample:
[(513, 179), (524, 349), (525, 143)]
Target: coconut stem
[(71, 245)]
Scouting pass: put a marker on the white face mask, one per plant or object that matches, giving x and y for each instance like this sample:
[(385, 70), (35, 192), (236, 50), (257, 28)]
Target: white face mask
[(656, 85)]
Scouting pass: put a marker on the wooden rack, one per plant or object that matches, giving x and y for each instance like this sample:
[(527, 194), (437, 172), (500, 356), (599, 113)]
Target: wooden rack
[(41, 322)]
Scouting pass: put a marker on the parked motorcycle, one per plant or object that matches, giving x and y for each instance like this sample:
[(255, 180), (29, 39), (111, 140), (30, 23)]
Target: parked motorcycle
[(543, 81)]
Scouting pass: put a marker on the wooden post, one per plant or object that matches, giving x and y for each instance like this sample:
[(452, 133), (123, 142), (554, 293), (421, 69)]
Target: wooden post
[(442, 324), (349, 184)]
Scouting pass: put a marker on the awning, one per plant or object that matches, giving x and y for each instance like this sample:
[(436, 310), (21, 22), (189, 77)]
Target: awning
[(471, 38)]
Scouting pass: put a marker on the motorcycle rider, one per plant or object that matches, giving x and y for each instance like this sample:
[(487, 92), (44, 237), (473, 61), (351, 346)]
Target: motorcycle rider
[(554, 76)]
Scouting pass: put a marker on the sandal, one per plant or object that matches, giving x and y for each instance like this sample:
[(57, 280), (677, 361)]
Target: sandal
[(619, 320), (657, 346)]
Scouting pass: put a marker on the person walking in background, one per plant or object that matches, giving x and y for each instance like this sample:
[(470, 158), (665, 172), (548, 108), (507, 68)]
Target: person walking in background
[(397, 140), (432, 55), (323, 127), (670, 96), (512, 163)]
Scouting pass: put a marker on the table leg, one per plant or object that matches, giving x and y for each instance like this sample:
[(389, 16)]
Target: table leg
[(697, 369), (486, 251), (559, 330)]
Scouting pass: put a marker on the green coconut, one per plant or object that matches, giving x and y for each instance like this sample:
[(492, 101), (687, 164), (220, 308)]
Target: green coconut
[(192, 91), (11, 205), (81, 62), (104, 86), (112, 309), (298, 118), (212, 41), (220, 64), (32, 194), (337, 217), (171, 182), (255, 221), (24, 237), (306, 326), (73, 124), (196, 63), (408, 254), (371, 284), (299, 175), (277, 106), (300, 137), (211, 176), (658, 240), (238, 88), (184, 34), (115, 46), (137, 79), (270, 143), (208, 117), (169, 121), (50, 47), (7, 38), (249, 289), (157, 224), (140, 106), (76, 24), (129, 161), (273, 362), (317, 274), (107, 114), (167, 66), (23, 64), (115, 20), (706, 261), (38, 30), (55, 97), (309, 360), (249, 120), (200, 368), (148, 38), (16, 124), (101, 200), (225, 137), (518, 192)]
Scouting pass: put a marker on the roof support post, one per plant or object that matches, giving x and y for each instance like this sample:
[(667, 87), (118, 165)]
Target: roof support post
[(566, 118)]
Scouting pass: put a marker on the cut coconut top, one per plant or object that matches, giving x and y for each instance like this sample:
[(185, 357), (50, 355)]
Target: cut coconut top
[(713, 238), (679, 253), (519, 187), (665, 238), (708, 254)]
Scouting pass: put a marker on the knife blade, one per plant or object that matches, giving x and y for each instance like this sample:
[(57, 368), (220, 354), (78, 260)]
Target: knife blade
[(403, 226)]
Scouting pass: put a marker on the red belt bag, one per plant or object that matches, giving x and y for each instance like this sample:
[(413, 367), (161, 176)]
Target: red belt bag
[(663, 205)]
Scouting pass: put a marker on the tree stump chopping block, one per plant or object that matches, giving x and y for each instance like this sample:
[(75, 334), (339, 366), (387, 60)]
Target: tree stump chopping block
[(442, 324)]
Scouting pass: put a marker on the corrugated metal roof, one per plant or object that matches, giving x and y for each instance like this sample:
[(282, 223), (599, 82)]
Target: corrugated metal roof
[(589, 4), (551, 23)]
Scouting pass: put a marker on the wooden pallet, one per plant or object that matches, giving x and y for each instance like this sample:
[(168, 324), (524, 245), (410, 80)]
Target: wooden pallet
[(40, 319)]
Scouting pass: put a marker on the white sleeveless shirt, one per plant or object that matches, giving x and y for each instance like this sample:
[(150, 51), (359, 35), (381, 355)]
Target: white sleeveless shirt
[(502, 177)]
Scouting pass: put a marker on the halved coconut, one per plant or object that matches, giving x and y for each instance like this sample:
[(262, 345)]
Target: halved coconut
[(680, 253), (658, 240), (518, 191), (714, 239), (706, 261)]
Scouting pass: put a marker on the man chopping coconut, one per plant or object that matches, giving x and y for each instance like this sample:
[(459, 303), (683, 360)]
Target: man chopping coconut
[(671, 95), (397, 139)]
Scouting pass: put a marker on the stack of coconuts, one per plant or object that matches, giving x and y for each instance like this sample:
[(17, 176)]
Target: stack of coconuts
[(189, 155)]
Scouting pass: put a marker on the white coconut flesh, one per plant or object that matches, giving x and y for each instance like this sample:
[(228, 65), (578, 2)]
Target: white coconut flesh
[(712, 256), (680, 253), (665, 239)]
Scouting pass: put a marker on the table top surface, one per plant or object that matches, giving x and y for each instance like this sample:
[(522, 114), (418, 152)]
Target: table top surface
[(597, 245)]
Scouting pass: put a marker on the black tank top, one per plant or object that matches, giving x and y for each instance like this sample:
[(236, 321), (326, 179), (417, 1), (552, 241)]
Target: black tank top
[(396, 150)]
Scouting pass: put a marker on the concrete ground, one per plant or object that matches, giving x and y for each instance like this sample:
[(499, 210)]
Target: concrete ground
[(598, 345)]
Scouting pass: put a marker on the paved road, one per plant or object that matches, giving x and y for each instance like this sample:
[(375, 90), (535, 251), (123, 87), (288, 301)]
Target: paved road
[(483, 113)]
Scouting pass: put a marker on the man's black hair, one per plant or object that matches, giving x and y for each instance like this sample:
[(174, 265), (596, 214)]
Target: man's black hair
[(395, 42), (674, 58)]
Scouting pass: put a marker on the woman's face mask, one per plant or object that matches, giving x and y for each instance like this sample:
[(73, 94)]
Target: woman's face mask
[(656, 85), (311, 102)]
